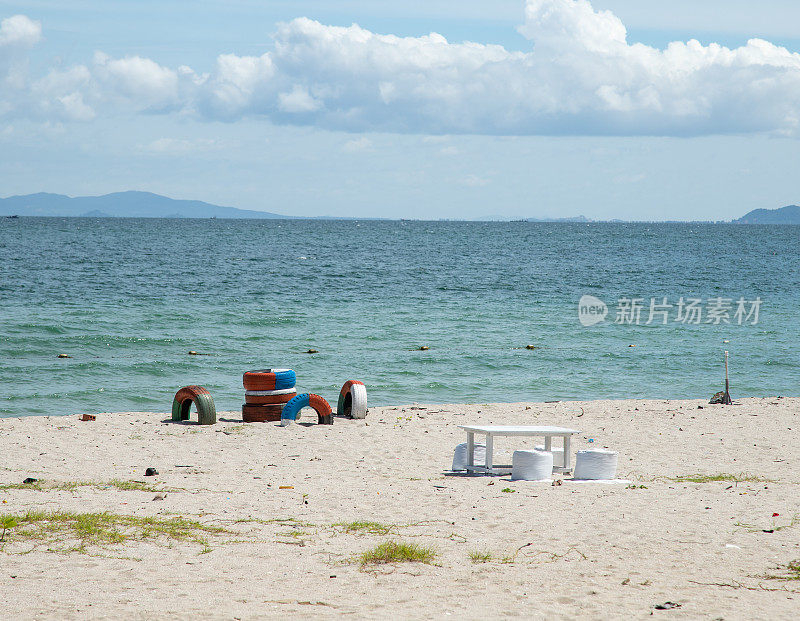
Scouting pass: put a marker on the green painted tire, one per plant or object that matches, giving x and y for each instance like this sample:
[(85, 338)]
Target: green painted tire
[(182, 405)]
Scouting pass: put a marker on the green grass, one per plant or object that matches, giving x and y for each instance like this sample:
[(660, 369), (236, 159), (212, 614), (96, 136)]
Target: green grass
[(479, 556), (508, 490), (78, 531), (397, 552), (719, 478), (792, 572), (364, 528), (126, 486)]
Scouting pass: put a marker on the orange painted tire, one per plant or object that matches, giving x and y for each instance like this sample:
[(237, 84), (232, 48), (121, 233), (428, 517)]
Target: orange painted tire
[(261, 413), (269, 399), (352, 400), (269, 379), (292, 409)]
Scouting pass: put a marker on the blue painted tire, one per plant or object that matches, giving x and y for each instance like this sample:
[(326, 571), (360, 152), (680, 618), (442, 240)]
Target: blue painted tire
[(269, 379), (321, 407)]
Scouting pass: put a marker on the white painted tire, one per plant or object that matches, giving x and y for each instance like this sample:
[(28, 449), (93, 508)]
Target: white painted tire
[(270, 393), (460, 456), (354, 395), (359, 407)]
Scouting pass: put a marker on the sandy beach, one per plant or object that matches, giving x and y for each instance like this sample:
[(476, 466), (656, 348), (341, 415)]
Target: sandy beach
[(277, 507)]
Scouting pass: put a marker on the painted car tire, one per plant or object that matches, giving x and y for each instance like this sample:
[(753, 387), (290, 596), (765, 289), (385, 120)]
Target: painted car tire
[(269, 397), (320, 406), (269, 379), (182, 405), (352, 400), (261, 413)]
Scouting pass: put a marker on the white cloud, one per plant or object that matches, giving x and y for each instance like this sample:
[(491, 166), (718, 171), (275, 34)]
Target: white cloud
[(581, 76), (179, 146), (357, 144), (19, 31), (298, 101)]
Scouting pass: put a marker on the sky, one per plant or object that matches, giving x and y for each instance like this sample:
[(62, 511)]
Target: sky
[(467, 109)]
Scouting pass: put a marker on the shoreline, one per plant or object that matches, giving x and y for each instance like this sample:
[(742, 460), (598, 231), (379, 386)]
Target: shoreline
[(287, 497)]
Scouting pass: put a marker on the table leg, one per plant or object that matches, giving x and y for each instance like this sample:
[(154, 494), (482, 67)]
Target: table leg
[(470, 448), (566, 453), (489, 451), (548, 443)]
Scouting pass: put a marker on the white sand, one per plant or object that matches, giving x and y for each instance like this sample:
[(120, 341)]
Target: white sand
[(591, 551)]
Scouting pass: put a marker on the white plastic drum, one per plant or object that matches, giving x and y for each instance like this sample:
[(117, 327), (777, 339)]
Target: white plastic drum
[(532, 466), (595, 465), (460, 456)]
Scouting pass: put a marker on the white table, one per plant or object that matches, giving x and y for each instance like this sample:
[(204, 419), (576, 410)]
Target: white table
[(490, 431)]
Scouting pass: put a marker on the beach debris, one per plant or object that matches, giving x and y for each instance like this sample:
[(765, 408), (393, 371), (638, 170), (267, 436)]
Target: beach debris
[(64, 356), (29, 481), (719, 397), (723, 397), (151, 472), (352, 400), (159, 497), (203, 401), (88, 417), (557, 482), (667, 606), (286, 487)]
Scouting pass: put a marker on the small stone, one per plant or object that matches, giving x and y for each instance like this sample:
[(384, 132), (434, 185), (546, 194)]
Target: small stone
[(150, 472), (30, 480), (159, 497)]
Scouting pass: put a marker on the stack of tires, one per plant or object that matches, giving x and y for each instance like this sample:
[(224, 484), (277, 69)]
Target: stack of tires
[(265, 393)]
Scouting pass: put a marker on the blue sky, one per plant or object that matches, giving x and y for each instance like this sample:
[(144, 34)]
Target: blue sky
[(557, 108)]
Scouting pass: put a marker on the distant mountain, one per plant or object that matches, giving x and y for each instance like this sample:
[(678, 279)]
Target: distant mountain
[(120, 205), (785, 215)]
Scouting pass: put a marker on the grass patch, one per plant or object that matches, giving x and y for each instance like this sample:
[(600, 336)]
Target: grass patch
[(508, 490), (75, 532), (719, 478), (364, 528), (397, 552), (792, 572), (69, 486), (480, 556)]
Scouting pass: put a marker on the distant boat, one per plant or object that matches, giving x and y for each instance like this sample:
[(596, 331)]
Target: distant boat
[(10, 217)]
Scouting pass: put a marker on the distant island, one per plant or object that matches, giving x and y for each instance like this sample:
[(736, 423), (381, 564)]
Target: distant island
[(120, 205), (133, 204), (785, 215)]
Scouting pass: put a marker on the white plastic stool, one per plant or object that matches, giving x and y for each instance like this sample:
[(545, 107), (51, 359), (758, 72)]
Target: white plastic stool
[(595, 465), (460, 456), (531, 466)]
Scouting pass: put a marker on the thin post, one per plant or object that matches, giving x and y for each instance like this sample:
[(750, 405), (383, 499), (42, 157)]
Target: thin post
[(727, 398)]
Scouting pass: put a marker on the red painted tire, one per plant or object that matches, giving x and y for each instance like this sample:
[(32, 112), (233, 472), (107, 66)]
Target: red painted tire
[(182, 404), (279, 399), (352, 400), (269, 379), (261, 413)]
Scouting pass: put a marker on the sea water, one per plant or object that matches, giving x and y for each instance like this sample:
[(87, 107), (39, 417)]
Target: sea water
[(127, 299)]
